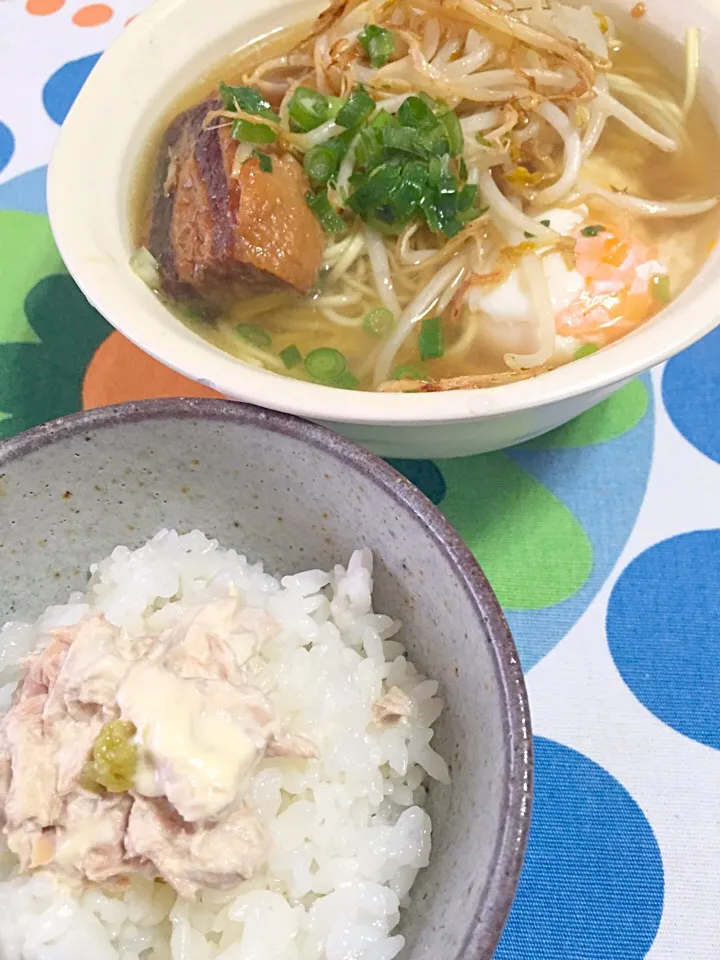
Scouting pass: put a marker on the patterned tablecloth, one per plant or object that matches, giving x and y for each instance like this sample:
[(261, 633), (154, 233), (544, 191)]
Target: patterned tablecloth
[(601, 541)]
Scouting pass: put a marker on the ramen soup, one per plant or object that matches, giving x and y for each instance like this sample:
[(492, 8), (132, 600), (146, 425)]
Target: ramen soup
[(419, 195)]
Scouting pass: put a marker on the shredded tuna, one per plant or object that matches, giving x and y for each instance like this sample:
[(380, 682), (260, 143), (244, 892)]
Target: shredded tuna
[(200, 729), (392, 707)]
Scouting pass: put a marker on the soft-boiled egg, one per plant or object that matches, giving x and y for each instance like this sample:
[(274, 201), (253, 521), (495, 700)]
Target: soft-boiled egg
[(609, 284), (509, 324)]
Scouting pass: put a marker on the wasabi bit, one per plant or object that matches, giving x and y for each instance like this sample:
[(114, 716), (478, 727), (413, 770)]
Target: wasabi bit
[(114, 759)]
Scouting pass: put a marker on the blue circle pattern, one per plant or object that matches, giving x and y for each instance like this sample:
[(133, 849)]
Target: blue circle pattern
[(65, 84), (7, 145), (592, 887), (26, 192), (587, 480), (695, 411), (662, 627)]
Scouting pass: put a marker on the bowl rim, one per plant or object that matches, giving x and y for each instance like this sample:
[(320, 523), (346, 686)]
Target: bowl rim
[(496, 898), (83, 216)]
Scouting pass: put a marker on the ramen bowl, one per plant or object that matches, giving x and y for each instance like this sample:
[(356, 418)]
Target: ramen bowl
[(90, 192), (297, 496)]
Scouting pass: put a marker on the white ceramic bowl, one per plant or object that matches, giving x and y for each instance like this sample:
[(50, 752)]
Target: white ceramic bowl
[(160, 55)]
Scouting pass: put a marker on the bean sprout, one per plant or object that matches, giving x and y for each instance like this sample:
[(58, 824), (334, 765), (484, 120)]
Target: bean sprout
[(509, 215), (414, 312), (478, 122), (633, 122), (408, 256), (572, 150), (381, 270), (353, 250), (532, 271), (651, 208), (692, 68)]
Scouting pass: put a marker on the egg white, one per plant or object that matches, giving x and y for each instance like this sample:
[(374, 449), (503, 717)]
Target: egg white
[(507, 322)]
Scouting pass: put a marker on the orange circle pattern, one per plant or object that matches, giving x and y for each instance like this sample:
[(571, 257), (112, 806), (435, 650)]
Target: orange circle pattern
[(43, 8), (120, 371), (92, 15)]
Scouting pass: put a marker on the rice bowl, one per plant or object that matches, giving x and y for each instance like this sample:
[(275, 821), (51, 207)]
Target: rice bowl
[(348, 831), (300, 498)]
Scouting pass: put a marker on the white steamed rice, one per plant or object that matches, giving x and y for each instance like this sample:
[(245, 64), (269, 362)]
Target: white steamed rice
[(349, 832)]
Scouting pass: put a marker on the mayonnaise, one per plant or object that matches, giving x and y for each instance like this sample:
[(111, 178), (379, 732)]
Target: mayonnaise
[(198, 743)]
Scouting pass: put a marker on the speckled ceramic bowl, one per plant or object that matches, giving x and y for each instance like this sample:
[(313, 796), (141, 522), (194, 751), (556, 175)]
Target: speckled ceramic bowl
[(297, 496)]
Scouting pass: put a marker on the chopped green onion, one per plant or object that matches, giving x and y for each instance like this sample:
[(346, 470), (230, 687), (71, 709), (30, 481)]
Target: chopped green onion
[(341, 143), (454, 133), (254, 335), (467, 196), (358, 108), (321, 163), (402, 138), (435, 141), (395, 195), (322, 208), (404, 165), (431, 101), (381, 118), (408, 371), (253, 132), (430, 341), (369, 152), (290, 356), (473, 213), (440, 171), (378, 322), (529, 236), (383, 223), (325, 364), (483, 141), (309, 109), (446, 207), (378, 43), (336, 105), (377, 188), (593, 230), (248, 100), (415, 112), (659, 288), (347, 381), (585, 351), (264, 160), (431, 214), (545, 223)]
